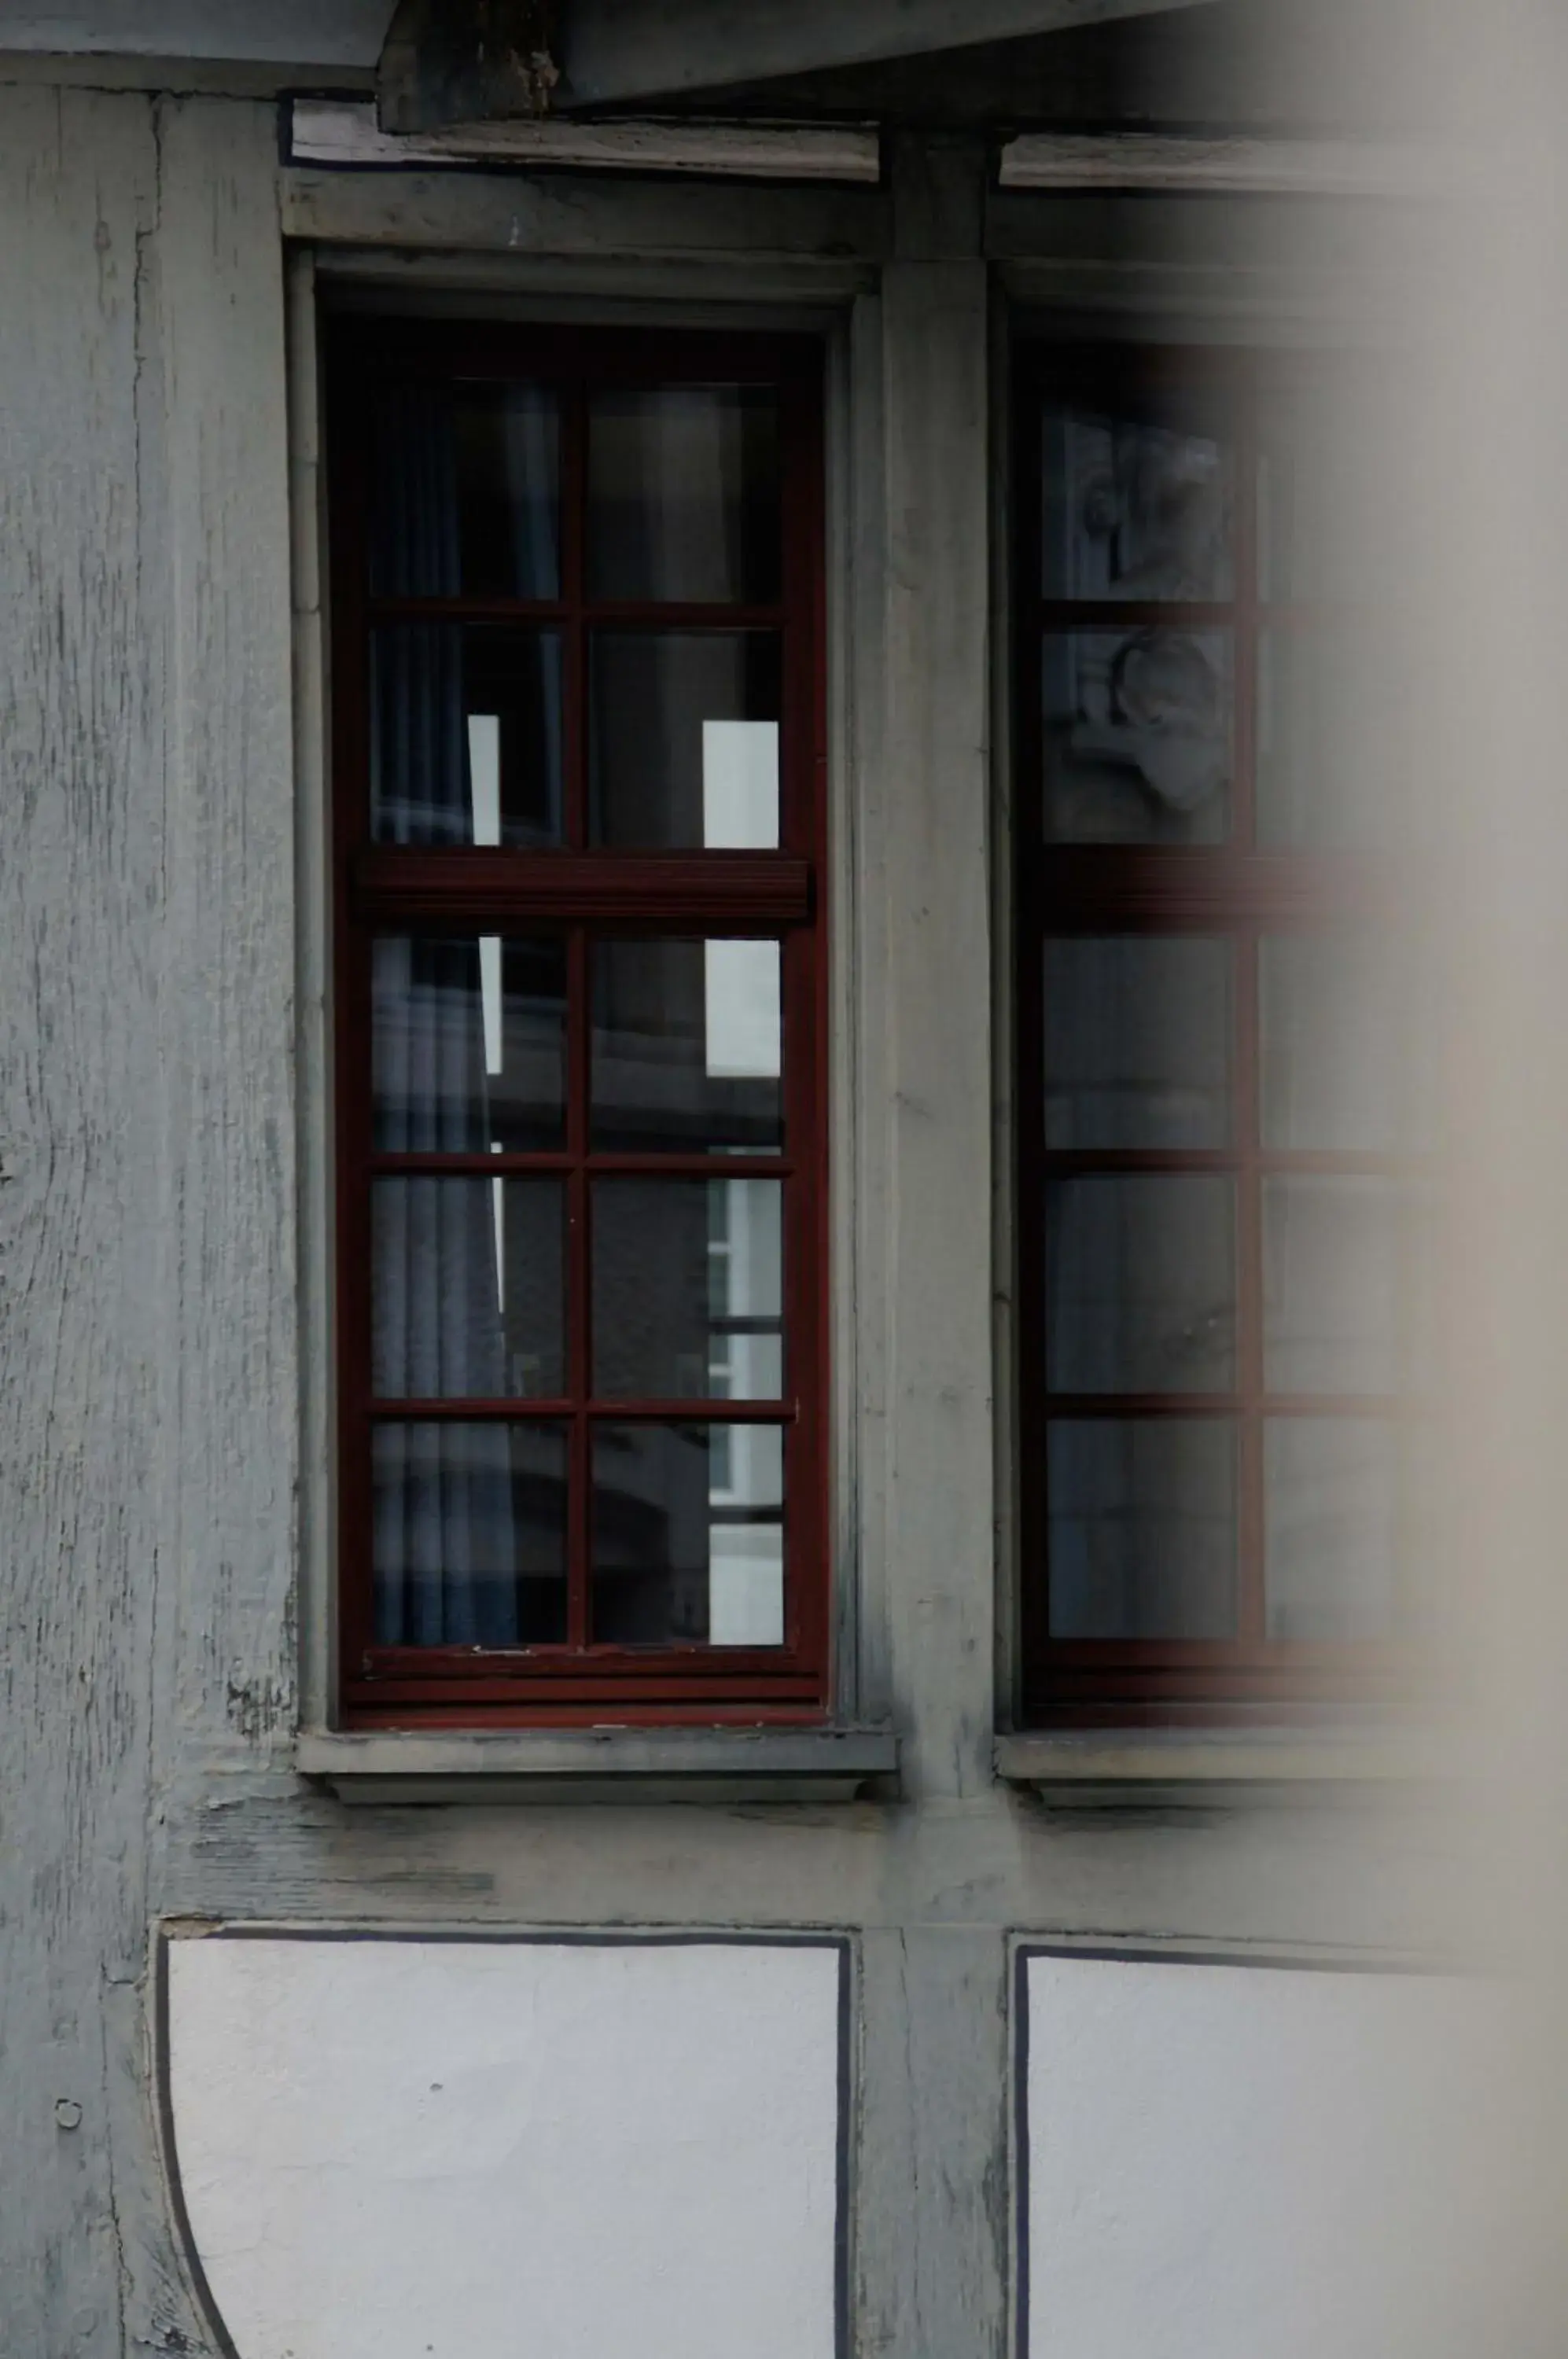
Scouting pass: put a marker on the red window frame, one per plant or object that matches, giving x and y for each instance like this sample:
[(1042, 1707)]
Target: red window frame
[(1237, 888), (580, 893)]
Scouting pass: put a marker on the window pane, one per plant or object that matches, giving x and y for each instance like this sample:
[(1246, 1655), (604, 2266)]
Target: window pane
[(1140, 1285), (1340, 484), (1137, 737), (1138, 1034), (683, 494), (1137, 496), (469, 1526), (466, 735), (687, 1300), (683, 740), (688, 1047), (1141, 1528), (463, 491), (689, 1535), (1344, 1308), (1346, 1060), (467, 1289), (1334, 771), (468, 1044), (1341, 1501)]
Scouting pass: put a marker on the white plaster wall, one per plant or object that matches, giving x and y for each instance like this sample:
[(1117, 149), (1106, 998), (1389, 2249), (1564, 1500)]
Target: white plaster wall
[(1248, 2162), (417, 2149)]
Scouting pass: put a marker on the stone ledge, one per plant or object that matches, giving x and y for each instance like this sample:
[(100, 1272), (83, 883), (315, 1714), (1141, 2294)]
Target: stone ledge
[(1122, 1766), (597, 1765)]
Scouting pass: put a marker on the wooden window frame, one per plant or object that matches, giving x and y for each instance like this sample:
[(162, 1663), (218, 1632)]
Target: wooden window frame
[(1241, 890), (575, 892)]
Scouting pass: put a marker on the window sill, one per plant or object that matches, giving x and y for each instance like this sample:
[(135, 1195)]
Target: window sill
[(599, 1765), (1116, 1768)]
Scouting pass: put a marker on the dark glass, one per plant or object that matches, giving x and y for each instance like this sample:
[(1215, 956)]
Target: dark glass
[(688, 1535), (1346, 1059), (466, 735), (687, 1047), (1142, 1535), (1342, 1503), (687, 1289), (1140, 1284), (465, 491), (683, 494), (1138, 495), (467, 1288), (670, 766), (468, 1044), (469, 1525), (1138, 1033), (1345, 1307), (1137, 736)]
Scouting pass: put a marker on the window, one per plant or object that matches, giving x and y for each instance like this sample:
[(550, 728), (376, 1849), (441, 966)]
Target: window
[(578, 758), (1224, 1110)]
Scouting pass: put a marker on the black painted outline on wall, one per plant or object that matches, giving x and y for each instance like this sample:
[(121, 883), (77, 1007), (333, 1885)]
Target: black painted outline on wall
[(1133, 1955), (564, 1937)]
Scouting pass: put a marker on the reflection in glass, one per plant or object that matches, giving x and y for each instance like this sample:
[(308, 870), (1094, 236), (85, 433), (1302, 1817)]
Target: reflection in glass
[(1141, 1519), (687, 1289), (1347, 1061), (1140, 1284), (1138, 497), (465, 486), (468, 1044), (467, 1288), (1344, 1299), (466, 735), (1341, 1503), (469, 1534), (683, 739), (1138, 1032), (683, 493), (1137, 737), (686, 1044), (688, 1545)]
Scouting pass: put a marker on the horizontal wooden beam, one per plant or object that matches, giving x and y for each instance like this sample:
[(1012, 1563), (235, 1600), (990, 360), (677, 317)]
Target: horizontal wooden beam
[(1126, 160), (344, 132)]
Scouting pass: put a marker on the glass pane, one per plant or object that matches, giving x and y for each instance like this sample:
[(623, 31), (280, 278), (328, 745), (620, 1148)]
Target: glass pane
[(687, 1289), (1343, 1502), (1137, 737), (1141, 1528), (1140, 1285), (468, 1044), (1138, 1032), (1341, 481), (683, 740), (1347, 1064), (463, 491), (1345, 1274), (1334, 771), (687, 1047), (683, 494), (689, 1535), (1137, 494), (466, 735), (469, 1526), (467, 1289)]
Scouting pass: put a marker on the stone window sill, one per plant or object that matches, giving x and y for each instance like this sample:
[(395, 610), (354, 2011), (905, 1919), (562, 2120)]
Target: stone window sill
[(598, 1765), (1122, 1768)]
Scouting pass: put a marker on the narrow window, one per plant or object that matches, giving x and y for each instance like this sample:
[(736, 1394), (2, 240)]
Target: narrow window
[(1224, 1110), (577, 690)]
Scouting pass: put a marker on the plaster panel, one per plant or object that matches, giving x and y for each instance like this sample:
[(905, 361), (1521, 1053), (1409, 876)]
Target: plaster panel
[(1224, 2159), (424, 2149)]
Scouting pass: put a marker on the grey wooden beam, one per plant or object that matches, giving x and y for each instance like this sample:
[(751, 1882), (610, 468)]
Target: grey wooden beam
[(614, 52), (345, 131), (321, 33)]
